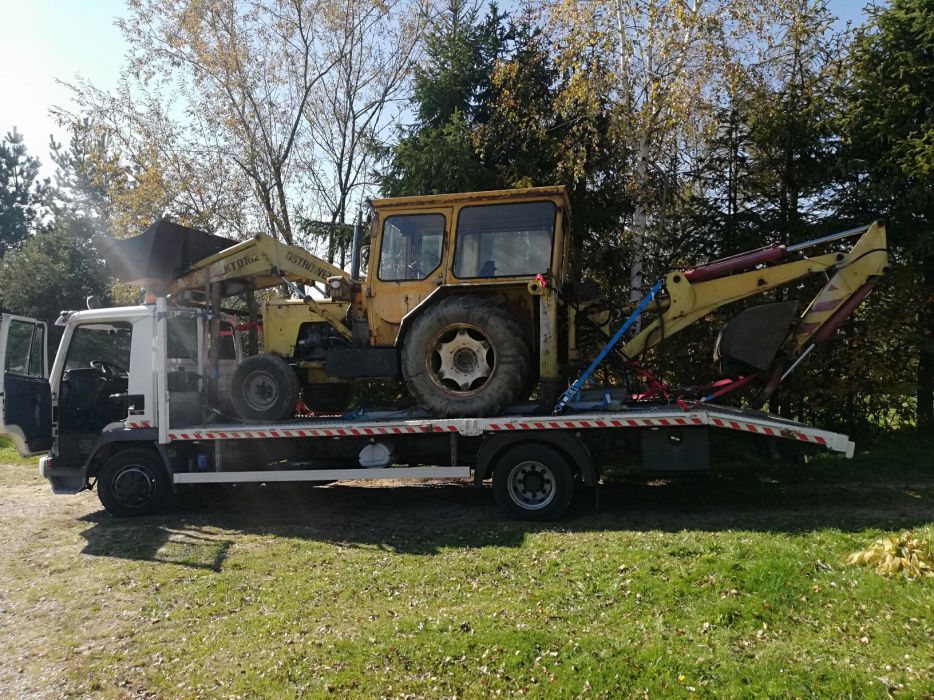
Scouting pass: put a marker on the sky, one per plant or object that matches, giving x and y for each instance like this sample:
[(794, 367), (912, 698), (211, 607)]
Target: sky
[(43, 41), (46, 41)]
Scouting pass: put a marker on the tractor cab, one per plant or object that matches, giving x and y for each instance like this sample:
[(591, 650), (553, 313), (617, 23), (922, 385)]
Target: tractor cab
[(492, 242)]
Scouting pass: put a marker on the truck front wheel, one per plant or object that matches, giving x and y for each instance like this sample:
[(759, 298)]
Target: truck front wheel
[(133, 482), (533, 482)]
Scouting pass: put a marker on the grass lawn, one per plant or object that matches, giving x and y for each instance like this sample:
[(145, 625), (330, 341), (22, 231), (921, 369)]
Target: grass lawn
[(727, 586)]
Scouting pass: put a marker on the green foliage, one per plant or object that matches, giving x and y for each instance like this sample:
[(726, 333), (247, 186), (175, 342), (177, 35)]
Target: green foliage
[(889, 121), (24, 198), (437, 160), (437, 153), (789, 113), (88, 177), (460, 49), (54, 270), (889, 129), (339, 237)]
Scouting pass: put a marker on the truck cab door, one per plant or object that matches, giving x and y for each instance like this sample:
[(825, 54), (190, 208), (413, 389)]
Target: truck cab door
[(25, 395)]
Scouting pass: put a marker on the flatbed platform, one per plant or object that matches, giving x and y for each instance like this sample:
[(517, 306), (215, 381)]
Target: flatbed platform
[(588, 418)]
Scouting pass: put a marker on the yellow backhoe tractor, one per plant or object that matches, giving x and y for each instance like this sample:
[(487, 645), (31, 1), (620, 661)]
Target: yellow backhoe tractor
[(470, 300)]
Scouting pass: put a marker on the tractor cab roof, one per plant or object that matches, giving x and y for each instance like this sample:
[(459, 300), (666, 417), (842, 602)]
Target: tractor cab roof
[(557, 193)]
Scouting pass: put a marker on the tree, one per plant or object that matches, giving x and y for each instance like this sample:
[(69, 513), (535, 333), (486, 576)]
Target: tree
[(86, 178), (450, 90), (662, 64), (230, 82), (53, 270), (889, 154), (129, 162), (375, 44), (789, 107), (24, 198)]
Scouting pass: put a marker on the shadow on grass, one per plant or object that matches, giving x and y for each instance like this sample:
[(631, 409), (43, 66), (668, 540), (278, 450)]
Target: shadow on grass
[(427, 518)]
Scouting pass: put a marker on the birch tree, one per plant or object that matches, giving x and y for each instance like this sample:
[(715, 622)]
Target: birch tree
[(665, 62), (374, 45)]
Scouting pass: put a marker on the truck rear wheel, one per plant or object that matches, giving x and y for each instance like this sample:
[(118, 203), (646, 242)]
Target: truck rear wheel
[(264, 388), (533, 482), (465, 357), (133, 482)]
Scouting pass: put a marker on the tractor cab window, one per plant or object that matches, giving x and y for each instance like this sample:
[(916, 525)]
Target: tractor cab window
[(411, 246), (504, 240)]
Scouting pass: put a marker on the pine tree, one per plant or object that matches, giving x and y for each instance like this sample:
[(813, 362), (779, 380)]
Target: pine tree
[(889, 154), (451, 91), (24, 198)]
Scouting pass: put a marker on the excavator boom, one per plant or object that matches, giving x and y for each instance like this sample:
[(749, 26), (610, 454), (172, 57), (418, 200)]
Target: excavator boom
[(696, 292), (762, 339)]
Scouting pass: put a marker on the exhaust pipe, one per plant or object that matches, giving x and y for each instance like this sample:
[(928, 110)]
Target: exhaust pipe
[(355, 247)]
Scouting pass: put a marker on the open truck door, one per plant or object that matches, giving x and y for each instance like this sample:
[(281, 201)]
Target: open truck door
[(25, 395)]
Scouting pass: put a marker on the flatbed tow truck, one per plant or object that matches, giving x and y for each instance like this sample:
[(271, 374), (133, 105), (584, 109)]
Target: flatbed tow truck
[(123, 433), (470, 299)]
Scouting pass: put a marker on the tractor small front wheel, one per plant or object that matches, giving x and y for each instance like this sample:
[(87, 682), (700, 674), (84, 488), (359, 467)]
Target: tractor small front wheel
[(264, 388)]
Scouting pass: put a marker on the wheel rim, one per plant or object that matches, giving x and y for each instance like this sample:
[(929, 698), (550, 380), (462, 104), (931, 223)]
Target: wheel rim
[(461, 360), (260, 391), (134, 485), (531, 485)]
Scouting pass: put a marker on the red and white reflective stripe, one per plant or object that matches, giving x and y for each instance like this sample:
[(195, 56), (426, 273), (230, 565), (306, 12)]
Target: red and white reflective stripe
[(475, 426), (772, 431), (176, 435), (141, 424), (673, 422)]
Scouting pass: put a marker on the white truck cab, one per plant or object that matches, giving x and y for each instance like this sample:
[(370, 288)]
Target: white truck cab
[(101, 381), (102, 388)]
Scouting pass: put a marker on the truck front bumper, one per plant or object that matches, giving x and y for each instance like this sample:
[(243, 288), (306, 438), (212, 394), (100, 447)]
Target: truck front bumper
[(62, 480)]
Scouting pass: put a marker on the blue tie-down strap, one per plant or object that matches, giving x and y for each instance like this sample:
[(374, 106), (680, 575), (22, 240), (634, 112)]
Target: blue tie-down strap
[(572, 391)]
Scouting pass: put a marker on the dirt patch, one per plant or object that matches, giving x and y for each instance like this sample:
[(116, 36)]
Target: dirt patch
[(43, 577)]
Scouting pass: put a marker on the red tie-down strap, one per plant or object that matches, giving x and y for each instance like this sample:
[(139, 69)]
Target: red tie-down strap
[(249, 325), (656, 386)]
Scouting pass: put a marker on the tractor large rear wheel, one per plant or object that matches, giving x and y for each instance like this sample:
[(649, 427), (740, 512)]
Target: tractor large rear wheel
[(465, 357)]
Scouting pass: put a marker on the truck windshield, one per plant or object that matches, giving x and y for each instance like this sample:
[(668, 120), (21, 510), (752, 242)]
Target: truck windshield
[(504, 240), (106, 342)]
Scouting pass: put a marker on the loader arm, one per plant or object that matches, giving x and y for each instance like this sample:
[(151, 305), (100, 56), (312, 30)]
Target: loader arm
[(694, 293), (260, 263), (263, 262)]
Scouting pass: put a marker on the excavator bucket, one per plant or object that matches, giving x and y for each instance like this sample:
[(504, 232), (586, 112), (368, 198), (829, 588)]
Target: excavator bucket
[(159, 255), (751, 340)]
